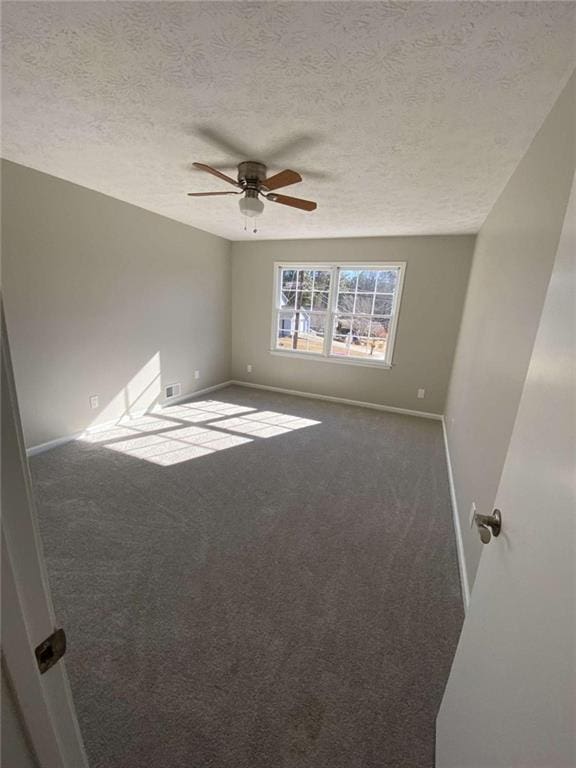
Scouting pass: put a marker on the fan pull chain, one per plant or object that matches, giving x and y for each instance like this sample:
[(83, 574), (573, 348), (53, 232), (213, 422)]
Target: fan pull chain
[(254, 231)]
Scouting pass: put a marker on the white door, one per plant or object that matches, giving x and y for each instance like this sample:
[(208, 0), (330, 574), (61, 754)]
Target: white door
[(44, 700), (510, 698)]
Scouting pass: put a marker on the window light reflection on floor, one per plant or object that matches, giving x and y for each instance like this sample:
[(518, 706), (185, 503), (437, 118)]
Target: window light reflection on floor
[(125, 428), (203, 411), (178, 445), (265, 424), (165, 437)]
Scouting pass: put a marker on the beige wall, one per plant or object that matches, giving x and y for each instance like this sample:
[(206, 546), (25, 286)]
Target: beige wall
[(105, 298), (434, 288), (513, 260)]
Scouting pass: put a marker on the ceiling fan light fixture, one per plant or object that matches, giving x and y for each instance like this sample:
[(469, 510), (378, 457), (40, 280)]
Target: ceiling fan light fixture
[(251, 206), (253, 182)]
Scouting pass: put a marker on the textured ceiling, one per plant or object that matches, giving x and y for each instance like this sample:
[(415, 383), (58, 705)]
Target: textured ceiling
[(403, 118)]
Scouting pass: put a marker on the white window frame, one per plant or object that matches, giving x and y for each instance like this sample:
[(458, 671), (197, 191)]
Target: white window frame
[(335, 267)]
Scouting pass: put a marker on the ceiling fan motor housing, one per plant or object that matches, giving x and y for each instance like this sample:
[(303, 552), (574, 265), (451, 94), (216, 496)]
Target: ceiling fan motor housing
[(251, 174)]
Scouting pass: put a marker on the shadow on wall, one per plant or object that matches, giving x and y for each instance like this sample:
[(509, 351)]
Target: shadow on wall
[(140, 394), (164, 436)]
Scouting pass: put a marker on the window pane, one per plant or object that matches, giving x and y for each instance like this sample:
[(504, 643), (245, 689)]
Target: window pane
[(376, 348), (347, 334), (346, 302), (361, 326), (284, 330), (345, 324), (301, 331), (288, 299), (348, 280), (305, 277), (317, 326), (342, 327), (288, 279), (340, 338), (320, 300), (347, 329), (378, 338), (286, 326), (383, 305), (359, 337), (387, 280), (304, 300), (363, 304), (360, 347), (379, 328), (322, 281), (367, 281)]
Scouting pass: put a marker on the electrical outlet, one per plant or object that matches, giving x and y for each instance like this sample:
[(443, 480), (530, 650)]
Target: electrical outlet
[(249, 368), (472, 513), (421, 393), (196, 375), (94, 402)]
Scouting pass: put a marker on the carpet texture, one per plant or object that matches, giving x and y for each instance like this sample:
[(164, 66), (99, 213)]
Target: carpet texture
[(255, 581)]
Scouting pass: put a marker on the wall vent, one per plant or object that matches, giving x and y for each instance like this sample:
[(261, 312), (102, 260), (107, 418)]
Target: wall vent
[(172, 390)]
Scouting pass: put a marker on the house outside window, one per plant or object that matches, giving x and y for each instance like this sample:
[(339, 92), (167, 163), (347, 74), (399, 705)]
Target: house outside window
[(337, 312)]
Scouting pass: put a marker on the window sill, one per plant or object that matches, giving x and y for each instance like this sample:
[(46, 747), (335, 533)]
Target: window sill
[(338, 360)]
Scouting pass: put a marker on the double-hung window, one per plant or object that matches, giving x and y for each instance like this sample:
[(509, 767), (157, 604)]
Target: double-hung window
[(339, 312)]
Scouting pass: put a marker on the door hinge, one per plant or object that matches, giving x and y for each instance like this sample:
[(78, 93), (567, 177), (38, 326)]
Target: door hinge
[(51, 650)]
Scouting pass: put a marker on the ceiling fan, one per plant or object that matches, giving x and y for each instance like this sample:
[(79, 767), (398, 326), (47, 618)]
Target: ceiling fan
[(252, 184)]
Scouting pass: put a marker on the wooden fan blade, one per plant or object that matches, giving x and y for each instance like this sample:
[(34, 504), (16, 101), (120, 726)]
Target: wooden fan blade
[(282, 179), (214, 172), (208, 194), (294, 202)]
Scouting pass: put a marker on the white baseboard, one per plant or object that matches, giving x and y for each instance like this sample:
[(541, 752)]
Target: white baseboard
[(457, 526), (36, 449), (341, 400), (42, 447)]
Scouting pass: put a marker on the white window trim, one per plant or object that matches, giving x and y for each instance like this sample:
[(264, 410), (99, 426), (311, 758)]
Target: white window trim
[(335, 267)]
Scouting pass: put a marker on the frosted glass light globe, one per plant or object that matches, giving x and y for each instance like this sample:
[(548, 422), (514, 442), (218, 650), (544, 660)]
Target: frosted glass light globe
[(251, 206)]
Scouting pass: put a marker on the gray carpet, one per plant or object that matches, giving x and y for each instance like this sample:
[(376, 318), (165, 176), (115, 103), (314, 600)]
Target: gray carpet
[(291, 601)]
